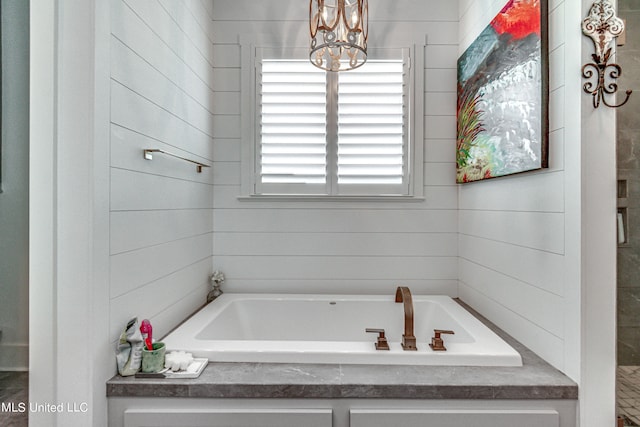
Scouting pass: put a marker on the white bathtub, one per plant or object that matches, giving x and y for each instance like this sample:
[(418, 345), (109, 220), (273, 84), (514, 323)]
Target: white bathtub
[(331, 329)]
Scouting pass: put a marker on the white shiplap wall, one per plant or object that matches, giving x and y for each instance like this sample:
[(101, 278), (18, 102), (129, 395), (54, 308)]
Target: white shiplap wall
[(337, 247), (161, 216), (512, 230)]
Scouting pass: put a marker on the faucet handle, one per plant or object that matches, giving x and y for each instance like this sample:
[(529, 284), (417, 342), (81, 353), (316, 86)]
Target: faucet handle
[(382, 343), (437, 343)]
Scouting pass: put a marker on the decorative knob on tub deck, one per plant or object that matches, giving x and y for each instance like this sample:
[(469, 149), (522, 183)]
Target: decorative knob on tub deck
[(437, 344)]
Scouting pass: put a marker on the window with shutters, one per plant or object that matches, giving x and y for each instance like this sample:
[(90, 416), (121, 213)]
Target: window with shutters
[(333, 134)]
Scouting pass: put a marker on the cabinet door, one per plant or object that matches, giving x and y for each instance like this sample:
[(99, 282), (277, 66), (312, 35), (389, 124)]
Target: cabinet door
[(453, 418), (228, 418)]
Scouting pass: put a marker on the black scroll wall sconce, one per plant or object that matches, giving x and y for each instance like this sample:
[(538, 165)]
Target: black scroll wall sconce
[(603, 26)]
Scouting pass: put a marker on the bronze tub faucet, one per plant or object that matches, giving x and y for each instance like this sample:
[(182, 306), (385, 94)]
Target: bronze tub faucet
[(403, 294)]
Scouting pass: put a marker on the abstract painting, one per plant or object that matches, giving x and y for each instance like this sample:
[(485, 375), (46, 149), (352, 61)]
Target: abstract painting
[(502, 115)]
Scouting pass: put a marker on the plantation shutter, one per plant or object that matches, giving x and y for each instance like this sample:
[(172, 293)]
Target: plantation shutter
[(371, 125), (293, 105), (332, 133)]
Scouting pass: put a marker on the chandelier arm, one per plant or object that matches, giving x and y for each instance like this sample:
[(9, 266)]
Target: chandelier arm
[(322, 7), (314, 20), (356, 27)]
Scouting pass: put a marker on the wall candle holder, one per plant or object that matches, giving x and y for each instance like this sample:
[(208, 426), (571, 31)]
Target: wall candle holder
[(603, 26)]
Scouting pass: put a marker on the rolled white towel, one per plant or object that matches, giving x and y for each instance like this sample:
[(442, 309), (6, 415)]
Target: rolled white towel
[(178, 360)]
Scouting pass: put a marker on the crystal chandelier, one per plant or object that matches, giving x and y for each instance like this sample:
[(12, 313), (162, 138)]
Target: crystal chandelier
[(339, 30)]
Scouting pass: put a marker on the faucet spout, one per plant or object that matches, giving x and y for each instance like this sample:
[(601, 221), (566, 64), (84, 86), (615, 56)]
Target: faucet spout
[(403, 294)]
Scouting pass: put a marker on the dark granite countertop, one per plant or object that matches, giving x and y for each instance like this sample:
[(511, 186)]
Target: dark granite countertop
[(536, 379)]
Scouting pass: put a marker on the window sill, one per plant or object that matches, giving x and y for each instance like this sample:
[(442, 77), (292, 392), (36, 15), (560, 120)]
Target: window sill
[(324, 198)]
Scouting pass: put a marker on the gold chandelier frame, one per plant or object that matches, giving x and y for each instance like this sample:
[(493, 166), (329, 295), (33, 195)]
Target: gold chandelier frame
[(339, 33)]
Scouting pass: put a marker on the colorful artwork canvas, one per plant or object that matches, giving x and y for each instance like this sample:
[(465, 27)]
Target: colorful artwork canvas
[(503, 95)]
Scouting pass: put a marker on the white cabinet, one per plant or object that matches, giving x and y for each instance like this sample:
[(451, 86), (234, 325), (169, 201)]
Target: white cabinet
[(274, 412), (453, 418), (228, 417)]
